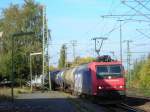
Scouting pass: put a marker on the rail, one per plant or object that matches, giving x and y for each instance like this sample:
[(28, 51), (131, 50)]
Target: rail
[(129, 108)]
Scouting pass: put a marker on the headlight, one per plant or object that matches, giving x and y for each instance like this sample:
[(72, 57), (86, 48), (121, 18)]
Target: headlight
[(99, 87), (120, 86)]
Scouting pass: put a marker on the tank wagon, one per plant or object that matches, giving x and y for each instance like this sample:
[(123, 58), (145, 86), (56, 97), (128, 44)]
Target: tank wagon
[(103, 77), (53, 78)]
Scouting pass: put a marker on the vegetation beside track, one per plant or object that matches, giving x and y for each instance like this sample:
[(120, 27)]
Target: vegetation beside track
[(5, 93), (138, 92), (140, 78)]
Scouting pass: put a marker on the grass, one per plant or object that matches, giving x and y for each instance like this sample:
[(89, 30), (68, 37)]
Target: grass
[(139, 92), (5, 92), (145, 92), (22, 90)]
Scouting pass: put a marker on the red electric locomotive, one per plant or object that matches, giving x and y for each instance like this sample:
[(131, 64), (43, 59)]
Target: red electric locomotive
[(107, 78)]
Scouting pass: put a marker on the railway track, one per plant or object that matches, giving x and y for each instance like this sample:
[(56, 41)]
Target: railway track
[(111, 106), (120, 108), (129, 108)]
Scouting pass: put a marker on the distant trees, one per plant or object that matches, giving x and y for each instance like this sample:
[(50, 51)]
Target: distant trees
[(63, 58), (25, 18), (51, 68), (82, 60), (78, 60)]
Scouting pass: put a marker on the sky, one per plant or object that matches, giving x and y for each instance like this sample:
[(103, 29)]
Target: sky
[(81, 20)]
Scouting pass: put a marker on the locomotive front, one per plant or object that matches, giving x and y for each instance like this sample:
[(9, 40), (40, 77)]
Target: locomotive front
[(108, 79)]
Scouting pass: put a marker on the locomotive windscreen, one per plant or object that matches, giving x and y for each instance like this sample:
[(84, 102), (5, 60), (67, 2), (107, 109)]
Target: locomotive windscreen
[(109, 71)]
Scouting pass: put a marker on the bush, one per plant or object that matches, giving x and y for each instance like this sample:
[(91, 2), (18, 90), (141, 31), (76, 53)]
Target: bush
[(141, 74)]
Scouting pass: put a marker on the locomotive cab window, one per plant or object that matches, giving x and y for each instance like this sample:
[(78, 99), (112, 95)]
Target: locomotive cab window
[(115, 69), (105, 71), (102, 69)]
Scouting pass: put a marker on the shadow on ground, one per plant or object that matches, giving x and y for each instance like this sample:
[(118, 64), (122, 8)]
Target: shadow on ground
[(38, 105)]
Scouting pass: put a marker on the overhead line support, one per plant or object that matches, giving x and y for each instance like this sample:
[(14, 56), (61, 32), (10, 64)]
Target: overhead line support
[(128, 59), (74, 44)]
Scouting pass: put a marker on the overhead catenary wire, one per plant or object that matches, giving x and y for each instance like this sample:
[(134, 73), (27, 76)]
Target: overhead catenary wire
[(109, 12), (123, 15), (136, 10), (142, 5), (134, 0), (102, 21), (143, 33)]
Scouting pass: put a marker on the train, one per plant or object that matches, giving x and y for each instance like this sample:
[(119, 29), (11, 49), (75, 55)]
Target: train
[(103, 77)]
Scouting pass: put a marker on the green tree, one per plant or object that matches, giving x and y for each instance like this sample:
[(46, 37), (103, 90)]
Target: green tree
[(25, 18), (62, 59)]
